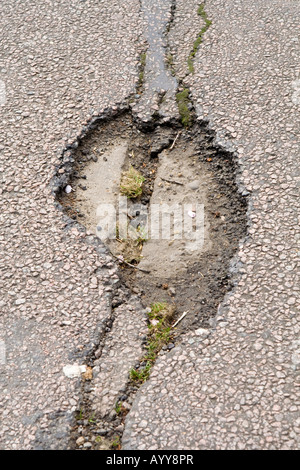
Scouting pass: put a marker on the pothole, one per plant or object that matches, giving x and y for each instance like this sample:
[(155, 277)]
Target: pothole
[(174, 241)]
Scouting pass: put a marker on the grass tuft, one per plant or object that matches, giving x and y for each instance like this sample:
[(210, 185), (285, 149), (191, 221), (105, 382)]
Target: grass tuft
[(131, 183), (183, 102)]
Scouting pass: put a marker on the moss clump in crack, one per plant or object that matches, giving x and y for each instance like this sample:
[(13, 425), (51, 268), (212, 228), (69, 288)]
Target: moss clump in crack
[(143, 59), (142, 69), (201, 12), (131, 183), (183, 103), (170, 63), (116, 443), (159, 335), (120, 409)]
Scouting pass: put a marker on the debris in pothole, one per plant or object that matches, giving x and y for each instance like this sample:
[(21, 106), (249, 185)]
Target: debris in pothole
[(68, 189), (191, 214), (179, 319)]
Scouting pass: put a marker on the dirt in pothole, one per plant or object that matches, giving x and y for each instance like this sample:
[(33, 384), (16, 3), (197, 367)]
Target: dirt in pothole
[(183, 260)]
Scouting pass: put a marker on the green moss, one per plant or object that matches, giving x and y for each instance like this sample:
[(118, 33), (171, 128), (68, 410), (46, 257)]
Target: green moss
[(191, 65), (170, 63), (116, 443), (141, 78), (159, 335), (143, 57), (118, 407), (183, 102), (201, 12)]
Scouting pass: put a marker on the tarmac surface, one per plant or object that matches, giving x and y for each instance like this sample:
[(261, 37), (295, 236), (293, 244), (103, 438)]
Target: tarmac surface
[(238, 386)]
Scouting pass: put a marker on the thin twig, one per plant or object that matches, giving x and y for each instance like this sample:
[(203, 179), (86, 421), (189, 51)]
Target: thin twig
[(172, 181), (179, 319), (172, 146), (129, 264), (135, 267)]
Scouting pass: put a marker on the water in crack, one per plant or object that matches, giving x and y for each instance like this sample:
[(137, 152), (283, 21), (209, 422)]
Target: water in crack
[(157, 15), (159, 83)]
